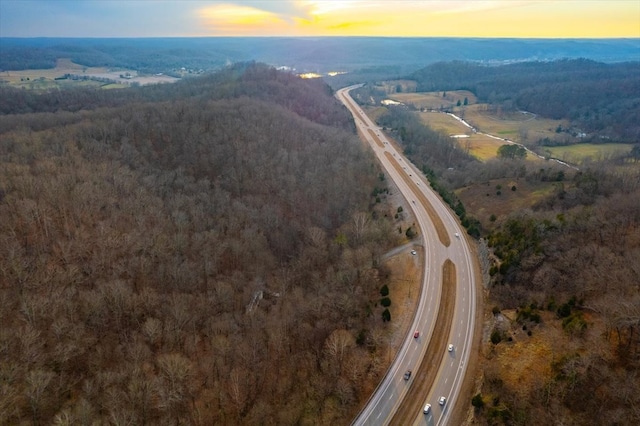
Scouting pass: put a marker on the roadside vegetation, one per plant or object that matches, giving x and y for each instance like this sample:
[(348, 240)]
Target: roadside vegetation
[(561, 244)]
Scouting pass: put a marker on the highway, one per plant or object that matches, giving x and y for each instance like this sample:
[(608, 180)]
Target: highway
[(443, 239)]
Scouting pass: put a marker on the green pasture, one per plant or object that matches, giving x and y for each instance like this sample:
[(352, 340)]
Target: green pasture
[(577, 153)]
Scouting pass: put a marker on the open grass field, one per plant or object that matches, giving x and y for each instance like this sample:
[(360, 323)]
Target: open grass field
[(497, 198), (479, 145), (444, 123), (113, 86), (435, 100), (579, 152), (519, 127), (485, 148), (45, 79)]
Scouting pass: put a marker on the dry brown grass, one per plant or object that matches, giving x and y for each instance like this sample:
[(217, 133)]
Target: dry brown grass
[(516, 126), (483, 200), (580, 152), (480, 146), (525, 364), (444, 123), (404, 291), (435, 100), (375, 138), (520, 127)]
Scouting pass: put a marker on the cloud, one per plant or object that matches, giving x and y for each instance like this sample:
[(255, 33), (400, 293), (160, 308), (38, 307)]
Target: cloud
[(238, 19), (354, 25), (287, 10)]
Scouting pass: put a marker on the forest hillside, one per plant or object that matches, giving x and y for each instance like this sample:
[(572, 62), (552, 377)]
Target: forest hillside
[(200, 253)]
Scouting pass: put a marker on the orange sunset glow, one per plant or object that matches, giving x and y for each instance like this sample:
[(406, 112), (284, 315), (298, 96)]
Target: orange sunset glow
[(535, 19)]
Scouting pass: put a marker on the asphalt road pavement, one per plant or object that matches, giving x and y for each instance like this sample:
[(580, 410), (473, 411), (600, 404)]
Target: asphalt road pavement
[(444, 239)]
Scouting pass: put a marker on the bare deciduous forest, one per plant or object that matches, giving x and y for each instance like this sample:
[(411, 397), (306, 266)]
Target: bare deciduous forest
[(572, 270), (201, 253), (206, 252)]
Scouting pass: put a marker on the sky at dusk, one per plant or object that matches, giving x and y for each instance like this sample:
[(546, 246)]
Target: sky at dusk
[(390, 18)]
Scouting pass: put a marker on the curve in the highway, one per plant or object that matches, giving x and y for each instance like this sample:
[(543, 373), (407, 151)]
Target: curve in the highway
[(438, 227)]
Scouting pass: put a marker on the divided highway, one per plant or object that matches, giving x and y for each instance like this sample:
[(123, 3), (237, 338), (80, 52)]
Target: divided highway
[(443, 239)]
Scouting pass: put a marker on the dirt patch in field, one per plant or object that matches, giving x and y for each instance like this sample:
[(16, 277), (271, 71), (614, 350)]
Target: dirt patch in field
[(425, 376)]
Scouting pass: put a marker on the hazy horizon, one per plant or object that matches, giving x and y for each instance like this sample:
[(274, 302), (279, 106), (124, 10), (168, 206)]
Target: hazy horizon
[(565, 19)]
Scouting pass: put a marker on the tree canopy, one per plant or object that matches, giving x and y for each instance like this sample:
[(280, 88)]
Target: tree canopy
[(169, 255), (512, 151)]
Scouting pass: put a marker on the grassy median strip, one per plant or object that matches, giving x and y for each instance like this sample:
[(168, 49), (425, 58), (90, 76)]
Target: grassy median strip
[(376, 138), (443, 236), (424, 378)]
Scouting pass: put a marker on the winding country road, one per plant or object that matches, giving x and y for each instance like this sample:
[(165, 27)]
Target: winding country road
[(446, 310)]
